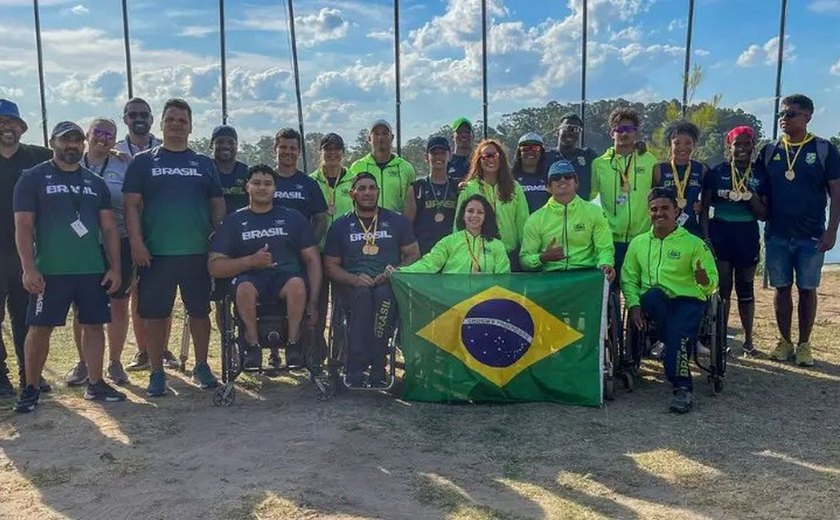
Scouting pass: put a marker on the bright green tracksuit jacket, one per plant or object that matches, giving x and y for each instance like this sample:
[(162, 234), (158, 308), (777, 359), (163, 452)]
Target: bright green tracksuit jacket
[(510, 216), (627, 213), (340, 197), (393, 180), (451, 255), (668, 264), (579, 227)]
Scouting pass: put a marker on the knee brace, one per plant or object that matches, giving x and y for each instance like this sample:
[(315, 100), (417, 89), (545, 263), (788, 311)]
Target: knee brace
[(745, 290)]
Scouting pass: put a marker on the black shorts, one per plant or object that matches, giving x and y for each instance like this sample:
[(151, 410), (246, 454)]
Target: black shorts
[(219, 288), (127, 271), (735, 242), (158, 284), (268, 283), (84, 291)]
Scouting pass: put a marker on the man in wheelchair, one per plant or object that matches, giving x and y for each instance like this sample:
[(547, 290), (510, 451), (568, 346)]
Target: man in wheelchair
[(265, 248), (666, 279), (362, 249)]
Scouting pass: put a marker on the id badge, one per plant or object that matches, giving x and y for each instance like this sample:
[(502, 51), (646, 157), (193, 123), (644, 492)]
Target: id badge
[(79, 228), (621, 200), (682, 219)]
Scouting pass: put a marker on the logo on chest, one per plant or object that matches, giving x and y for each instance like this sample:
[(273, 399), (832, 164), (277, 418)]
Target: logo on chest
[(53, 189), (263, 233), (380, 234), (673, 254), (289, 195)]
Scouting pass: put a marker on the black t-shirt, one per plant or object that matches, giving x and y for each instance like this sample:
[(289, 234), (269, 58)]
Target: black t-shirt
[(581, 159), (458, 167), (27, 156), (433, 199), (301, 193), (233, 187), (347, 237)]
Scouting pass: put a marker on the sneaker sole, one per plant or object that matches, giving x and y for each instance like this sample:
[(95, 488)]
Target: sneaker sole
[(25, 409), (93, 397), (138, 368), (805, 364), (156, 394), (76, 383)]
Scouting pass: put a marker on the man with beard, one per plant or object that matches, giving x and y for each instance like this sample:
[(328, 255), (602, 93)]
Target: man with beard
[(568, 140), (14, 158), (177, 194), (61, 212), (462, 136)]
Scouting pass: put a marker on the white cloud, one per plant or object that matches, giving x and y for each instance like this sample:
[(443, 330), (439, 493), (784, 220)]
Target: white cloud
[(325, 25), (677, 24), (198, 31), (385, 36), (79, 9), (11, 92), (766, 54), (701, 52), (631, 33), (835, 69), (825, 6)]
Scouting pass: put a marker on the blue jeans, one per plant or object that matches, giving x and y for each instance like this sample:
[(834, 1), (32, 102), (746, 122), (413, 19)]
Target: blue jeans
[(677, 322), (788, 256)]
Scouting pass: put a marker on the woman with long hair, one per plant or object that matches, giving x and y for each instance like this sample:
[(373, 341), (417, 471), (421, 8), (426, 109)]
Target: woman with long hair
[(732, 202), (490, 177), (474, 248)]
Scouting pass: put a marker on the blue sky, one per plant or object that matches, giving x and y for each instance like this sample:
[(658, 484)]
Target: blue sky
[(346, 58)]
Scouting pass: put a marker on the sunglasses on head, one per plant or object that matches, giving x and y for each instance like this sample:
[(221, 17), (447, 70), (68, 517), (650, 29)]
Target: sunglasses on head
[(624, 129), (98, 133), (530, 147), (138, 115)]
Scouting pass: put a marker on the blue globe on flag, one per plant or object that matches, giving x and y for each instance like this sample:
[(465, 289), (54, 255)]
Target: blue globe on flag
[(497, 332)]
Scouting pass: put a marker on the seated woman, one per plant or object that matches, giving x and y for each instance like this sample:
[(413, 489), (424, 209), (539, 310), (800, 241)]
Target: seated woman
[(474, 248)]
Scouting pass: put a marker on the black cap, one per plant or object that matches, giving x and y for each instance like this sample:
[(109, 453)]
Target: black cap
[(332, 139), (437, 142), (224, 130)]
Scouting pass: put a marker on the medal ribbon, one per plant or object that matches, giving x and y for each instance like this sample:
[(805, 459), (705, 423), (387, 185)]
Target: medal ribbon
[(739, 185), (801, 145), (680, 184), (371, 231), (625, 175), (439, 203), (476, 263)]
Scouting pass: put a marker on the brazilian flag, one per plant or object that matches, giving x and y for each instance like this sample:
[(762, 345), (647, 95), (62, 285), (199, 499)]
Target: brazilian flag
[(502, 338)]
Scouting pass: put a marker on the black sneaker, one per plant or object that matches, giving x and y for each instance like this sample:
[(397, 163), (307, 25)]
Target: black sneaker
[(44, 387), (294, 355), (274, 359), (253, 356), (750, 350), (102, 391), (683, 401), (28, 399), (7, 389), (170, 361), (379, 382)]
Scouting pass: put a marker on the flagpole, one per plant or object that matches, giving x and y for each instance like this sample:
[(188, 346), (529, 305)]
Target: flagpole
[(127, 45), (40, 52), (398, 100), (484, 103), (779, 60), (584, 34), (687, 69), (223, 56), (297, 82)]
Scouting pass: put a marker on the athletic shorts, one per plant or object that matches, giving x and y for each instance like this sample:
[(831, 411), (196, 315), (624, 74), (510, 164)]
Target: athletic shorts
[(268, 283), (787, 257), (735, 242), (159, 282), (84, 291), (127, 271)]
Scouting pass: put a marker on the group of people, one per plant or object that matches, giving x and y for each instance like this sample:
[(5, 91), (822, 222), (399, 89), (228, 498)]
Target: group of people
[(98, 222)]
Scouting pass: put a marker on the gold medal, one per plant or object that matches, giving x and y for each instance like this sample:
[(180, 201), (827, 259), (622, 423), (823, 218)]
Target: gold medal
[(439, 217), (746, 196), (735, 196), (330, 209), (682, 203), (366, 249), (790, 175), (373, 249)]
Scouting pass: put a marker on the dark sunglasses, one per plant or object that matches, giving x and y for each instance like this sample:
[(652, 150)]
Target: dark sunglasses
[(139, 115), (562, 176), (624, 129), (489, 155), (97, 133), (575, 129), (530, 147)]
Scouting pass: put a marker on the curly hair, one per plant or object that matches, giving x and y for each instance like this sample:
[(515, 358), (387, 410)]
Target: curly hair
[(620, 114), (506, 182), (542, 166), (489, 228)]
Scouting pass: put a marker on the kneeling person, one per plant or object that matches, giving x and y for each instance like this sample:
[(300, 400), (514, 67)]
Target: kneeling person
[(363, 248), (568, 232), (262, 247), (666, 278)]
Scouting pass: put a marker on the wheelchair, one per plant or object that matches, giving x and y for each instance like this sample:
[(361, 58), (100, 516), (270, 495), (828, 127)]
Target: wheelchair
[(272, 333), (712, 334), (619, 363), (334, 377)]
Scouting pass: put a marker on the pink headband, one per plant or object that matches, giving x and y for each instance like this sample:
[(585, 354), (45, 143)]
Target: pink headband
[(739, 130)]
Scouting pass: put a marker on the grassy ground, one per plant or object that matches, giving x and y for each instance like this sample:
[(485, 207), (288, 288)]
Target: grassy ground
[(766, 448)]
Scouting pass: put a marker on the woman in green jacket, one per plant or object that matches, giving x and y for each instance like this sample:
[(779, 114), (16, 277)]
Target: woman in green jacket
[(474, 248), (490, 177)]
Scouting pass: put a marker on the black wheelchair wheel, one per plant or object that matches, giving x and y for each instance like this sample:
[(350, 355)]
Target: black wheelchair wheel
[(609, 388), (721, 353)]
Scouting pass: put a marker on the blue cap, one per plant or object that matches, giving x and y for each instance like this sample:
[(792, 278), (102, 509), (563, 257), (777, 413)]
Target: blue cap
[(437, 142), (9, 109), (531, 138), (66, 127), (224, 130), (561, 167)]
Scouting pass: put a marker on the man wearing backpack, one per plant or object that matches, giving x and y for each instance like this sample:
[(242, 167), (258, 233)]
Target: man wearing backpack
[(800, 169)]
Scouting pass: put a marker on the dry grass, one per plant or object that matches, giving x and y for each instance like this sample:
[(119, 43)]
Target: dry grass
[(766, 448)]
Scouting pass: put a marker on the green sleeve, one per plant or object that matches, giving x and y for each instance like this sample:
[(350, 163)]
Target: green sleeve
[(356, 167), (431, 262), (707, 262), (521, 215), (529, 253), (596, 183), (602, 235), (631, 279), (501, 261), (461, 198)]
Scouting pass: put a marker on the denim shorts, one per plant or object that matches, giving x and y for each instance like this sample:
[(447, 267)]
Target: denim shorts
[(786, 257)]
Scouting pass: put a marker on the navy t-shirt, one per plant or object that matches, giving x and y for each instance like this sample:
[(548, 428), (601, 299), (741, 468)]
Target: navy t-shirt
[(432, 198), (458, 167), (797, 207), (285, 231), (346, 238), (233, 187), (58, 199), (692, 190), (581, 159), (718, 181), (534, 187), (176, 189), (302, 193)]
